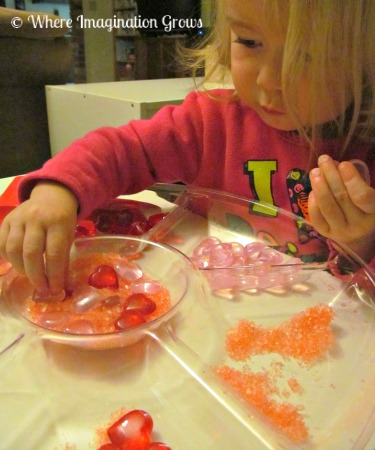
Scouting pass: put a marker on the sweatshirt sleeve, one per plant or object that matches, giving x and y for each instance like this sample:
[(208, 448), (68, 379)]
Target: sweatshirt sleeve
[(112, 161)]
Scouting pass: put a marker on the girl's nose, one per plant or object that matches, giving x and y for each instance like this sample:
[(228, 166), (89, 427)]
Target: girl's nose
[(269, 74)]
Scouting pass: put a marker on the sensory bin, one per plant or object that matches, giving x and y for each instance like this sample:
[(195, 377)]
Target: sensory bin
[(292, 314), (105, 294), (274, 340), (117, 288)]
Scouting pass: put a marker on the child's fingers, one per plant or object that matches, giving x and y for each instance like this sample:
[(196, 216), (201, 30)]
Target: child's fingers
[(361, 194), (328, 204), (316, 217), (12, 246), (57, 258), (333, 196), (4, 230), (33, 256), (362, 168)]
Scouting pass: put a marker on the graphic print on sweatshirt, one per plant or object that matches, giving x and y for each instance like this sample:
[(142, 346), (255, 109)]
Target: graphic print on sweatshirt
[(298, 187)]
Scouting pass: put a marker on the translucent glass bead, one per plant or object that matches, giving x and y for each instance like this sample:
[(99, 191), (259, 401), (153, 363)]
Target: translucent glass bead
[(40, 297), (52, 319), (145, 287), (129, 271), (85, 300), (220, 256), (80, 327)]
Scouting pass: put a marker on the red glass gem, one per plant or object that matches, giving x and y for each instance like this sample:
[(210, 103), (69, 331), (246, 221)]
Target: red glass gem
[(138, 228), (132, 431), (85, 228), (129, 215), (116, 221), (103, 222), (109, 447), (129, 319), (158, 446), (154, 219), (104, 277), (140, 303)]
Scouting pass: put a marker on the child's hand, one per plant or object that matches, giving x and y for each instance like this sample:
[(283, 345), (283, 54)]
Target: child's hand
[(36, 237), (342, 206)]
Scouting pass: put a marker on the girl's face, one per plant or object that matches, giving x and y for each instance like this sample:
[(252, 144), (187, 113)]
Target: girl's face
[(256, 61)]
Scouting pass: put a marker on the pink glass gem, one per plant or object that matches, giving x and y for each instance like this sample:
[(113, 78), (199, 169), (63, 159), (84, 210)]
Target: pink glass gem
[(40, 297), (271, 255), (237, 249), (203, 249), (247, 282), (238, 260), (252, 250), (129, 271), (294, 277), (270, 279), (226, 293), (85, 300), (220, 256), (199, 262), (221, 279), (145, 287), (80, 327), (52, 319)]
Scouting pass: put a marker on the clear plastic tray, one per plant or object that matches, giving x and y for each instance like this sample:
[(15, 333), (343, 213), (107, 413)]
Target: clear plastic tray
[(58, 396)]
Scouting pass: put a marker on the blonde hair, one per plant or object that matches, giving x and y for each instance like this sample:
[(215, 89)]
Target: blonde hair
[(332, 42)]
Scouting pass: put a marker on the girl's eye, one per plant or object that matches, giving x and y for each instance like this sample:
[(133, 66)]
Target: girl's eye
[(249, 43)]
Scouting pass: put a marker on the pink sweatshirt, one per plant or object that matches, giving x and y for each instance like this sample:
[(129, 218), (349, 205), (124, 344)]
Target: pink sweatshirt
[(204, 142)]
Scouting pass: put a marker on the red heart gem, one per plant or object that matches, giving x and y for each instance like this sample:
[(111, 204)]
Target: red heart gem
[(85, 228), (127, 216), (132, 431), (103, 222), (156, 218), (108, 447), (140, 303), (129, 319), (104, 277), (138, 228)]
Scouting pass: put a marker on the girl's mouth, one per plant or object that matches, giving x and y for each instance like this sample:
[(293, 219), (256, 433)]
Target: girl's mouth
[(272, 112)]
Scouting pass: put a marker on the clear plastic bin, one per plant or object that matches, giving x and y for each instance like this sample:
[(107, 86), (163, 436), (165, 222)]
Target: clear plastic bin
[(58, 395)]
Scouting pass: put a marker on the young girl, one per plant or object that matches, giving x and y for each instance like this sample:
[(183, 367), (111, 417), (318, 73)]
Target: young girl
[(304, 99)]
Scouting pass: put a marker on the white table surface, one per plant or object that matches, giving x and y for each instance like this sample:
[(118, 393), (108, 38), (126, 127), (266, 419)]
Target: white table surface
[(149, 196)]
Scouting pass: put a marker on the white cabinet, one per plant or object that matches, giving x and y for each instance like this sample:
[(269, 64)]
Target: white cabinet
[(74, 110)]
